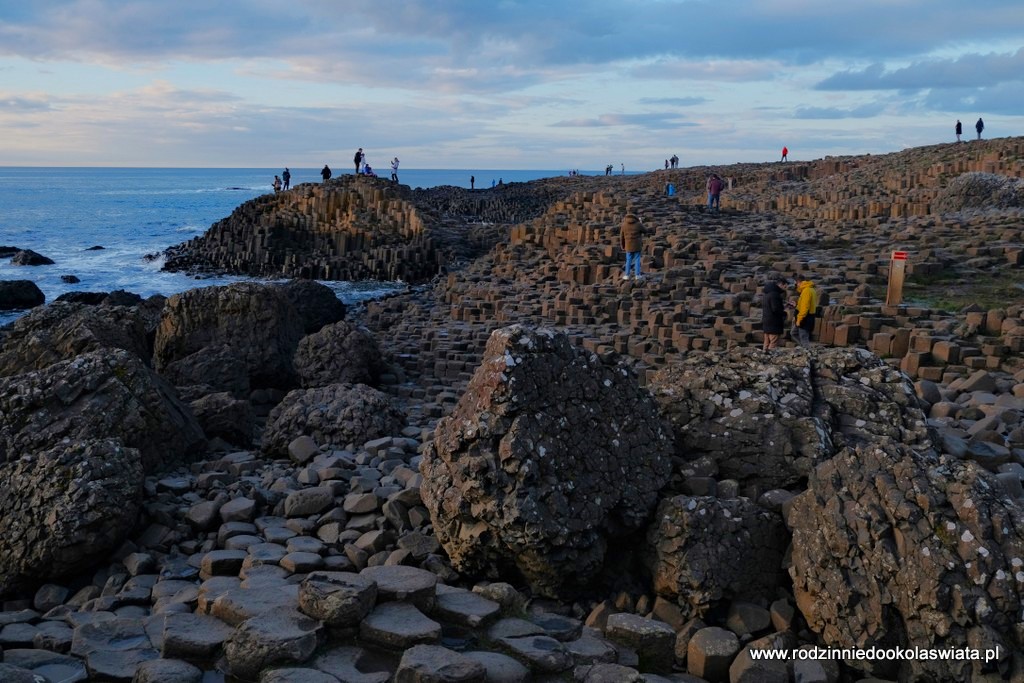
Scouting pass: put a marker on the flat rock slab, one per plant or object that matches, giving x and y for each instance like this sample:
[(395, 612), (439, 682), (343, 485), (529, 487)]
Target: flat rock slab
[(297, 675), (54, 667), (654, 641), (607, 673), (500, 668), (15, 674), (337, 598), (540, 653), (438, 664), (222, 563), (108, 665), (410, 584), (281, 637), (398, 626), (119, 634), (167, 671), (240, 604), (464, 608), (302, 563), (589, 650), (348, 663), (193, 637)]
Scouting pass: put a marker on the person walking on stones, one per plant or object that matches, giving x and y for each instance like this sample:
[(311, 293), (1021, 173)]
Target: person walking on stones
[(286, 177), (979, 126), (631, 241), (773, 312), (959, 130), (806, 310), (785, 153), (326, 173), (394, 170), (358, 159), (714, 188)]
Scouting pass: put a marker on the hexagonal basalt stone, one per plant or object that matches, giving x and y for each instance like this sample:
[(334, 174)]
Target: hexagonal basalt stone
[(398, 626), (337, 598)]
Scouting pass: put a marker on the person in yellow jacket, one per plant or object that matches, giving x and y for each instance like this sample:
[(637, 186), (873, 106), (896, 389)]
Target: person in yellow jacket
[(806, 308)]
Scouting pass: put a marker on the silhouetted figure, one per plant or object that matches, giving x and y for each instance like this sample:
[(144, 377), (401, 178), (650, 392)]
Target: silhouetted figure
[(472, 182), (326, 173), (287, 178), (773, 312), (979, 126), (277, 184), (358, 159), (959, 130)]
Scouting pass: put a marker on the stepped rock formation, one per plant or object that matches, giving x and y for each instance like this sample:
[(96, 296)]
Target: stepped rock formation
[(549, 457)]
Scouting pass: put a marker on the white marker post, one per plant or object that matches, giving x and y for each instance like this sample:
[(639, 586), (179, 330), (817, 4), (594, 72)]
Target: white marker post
[(897, 270)]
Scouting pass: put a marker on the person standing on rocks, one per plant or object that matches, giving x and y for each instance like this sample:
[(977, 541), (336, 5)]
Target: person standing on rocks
[(773, 312), (631, 240), (806, 310), (714, 188), (277, 184), (785, 153), (959, 130), (326, 173), (472, 181), (358, 159), (979, 126), (286, 177), (394, 170)]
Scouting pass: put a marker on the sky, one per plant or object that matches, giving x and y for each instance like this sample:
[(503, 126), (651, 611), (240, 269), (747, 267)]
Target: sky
[(498, 84)]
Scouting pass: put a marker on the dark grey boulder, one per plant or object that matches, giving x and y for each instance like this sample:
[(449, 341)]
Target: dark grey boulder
[(27, 257), (317, 304), (19, 294)]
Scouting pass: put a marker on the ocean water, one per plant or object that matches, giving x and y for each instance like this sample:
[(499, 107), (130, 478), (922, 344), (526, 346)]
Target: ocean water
[(131, 212)]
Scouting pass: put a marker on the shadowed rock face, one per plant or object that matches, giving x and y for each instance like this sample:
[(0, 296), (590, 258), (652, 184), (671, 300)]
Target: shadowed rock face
[(893, 546), (15, 294), (341, 352), (980, 191), (768, 419), (257, 322), (548, 455)]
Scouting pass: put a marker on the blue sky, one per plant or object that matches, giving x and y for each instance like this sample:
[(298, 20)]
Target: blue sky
[(498, 83)]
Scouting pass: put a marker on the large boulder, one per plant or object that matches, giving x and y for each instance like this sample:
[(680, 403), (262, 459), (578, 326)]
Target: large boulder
[(27, 257), (549, 456), (63, 331), (224, 416), (703, 551), (257, 322), (340, 353), (337, 414), (105, 394), (217, 367), (18, 294), (768, 420), (894, 546), (317, 304), (64, 507)]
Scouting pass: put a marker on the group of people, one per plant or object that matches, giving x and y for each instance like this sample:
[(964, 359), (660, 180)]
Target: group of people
[(672, 162), (283, 181), (773, 297), (979, 126)]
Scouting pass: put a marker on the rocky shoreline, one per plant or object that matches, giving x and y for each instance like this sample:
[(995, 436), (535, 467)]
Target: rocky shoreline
[(525, 468)]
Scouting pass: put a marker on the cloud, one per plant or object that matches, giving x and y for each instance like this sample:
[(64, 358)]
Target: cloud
[(674, 101), (970, 70), (656, 120), (21, 104), (864, 111)]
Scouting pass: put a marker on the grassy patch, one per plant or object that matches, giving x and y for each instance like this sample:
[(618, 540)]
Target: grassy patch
[(950, 291)]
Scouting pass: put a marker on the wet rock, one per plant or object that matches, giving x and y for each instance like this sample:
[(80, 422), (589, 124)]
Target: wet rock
[(398, 626), (278, 638), (19, 294), (338, 414), (349, 663), (434, 663), (167, 671), (705, 550), (27, 257), (54, 667), (548, 455), (500, 668), (407, 584), (340, 353)]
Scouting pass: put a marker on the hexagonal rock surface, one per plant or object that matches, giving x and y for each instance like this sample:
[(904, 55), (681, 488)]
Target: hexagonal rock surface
[(408, 584), (769, 419), (710, 652), (548, 454), (436, 663), (892, 545), (704, 550), (337, 598), (193, 636), (167, 671), (348, 663), (274, 638), (654, 641), (398, 626)]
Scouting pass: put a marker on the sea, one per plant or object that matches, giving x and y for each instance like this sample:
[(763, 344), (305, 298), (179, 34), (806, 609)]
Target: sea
[(134, 212)]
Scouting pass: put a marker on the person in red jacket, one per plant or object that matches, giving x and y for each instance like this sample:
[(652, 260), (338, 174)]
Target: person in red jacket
[(785, 154)]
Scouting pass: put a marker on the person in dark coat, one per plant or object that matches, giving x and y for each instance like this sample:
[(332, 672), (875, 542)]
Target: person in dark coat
[(773, 312), (959, 130), (326, 173), (979, 126)]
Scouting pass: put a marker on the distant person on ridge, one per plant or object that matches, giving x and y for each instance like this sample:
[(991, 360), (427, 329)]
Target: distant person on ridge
[(358, 158), (394, 170), (806, 310), (979, 126), (326, 173), (959, 130), (714, 188), (472, 182), (277, 184), (785, 153), (286, 177), (773, 312), (631, 241)]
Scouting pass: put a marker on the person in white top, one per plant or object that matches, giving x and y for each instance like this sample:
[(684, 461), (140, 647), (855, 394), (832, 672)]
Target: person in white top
[(394, 170)]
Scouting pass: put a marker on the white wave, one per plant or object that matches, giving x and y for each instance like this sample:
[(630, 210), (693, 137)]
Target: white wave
[(156, 264)]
